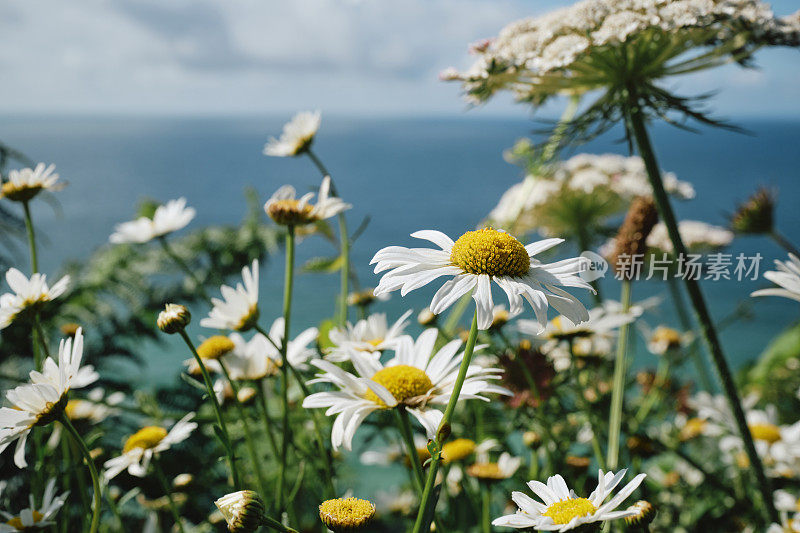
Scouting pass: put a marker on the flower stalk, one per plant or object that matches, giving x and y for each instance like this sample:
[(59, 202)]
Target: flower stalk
[(428, 501), (344, 242), (92, 471), (284, 349), (618, 389), (248, 434), (173, 507), (223, 428), (637, 129), (408, 439)]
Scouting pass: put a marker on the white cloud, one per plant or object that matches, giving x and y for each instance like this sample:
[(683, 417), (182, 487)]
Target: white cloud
[(256, 56)]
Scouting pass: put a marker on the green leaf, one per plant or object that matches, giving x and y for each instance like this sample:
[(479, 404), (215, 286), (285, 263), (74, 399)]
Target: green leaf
[(783, 347), (323, 340), (323, 264)]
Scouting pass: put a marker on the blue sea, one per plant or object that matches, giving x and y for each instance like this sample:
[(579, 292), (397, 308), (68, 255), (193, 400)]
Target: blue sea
[(405, 174)]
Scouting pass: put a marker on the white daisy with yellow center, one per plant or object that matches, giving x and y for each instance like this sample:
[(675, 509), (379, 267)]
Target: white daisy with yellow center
[(297, 135), (238, 310), (562, 510), (35, 517), (29, 294), (44, 399), (285, 208), (260, 357), (23, 185), (139, 448), (787, 277), (416, 378), (371, 335), (477, 259), (168, 218)]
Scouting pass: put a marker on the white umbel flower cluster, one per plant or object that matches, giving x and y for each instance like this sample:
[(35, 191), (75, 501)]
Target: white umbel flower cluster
[(697, 236), (561, 43), (602, 185)]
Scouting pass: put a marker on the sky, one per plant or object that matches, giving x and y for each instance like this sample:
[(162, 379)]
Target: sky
[(361, 57)]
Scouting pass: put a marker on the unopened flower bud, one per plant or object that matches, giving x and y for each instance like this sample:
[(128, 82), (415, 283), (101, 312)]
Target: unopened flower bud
[(645, 513), (173, 318), (631, 239), (756, 214), (243, 511), (426, 317)]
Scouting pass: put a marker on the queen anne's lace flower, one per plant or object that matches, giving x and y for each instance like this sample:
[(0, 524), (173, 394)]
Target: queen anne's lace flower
[(558, 52)]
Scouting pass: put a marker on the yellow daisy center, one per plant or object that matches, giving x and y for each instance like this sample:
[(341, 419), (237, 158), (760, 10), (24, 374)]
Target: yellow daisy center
[(693, 428), (249, 320), (565, 510), (403, 381), (492, 252), (289, 212), (146, 438), (19, 193), (52, 411), (767, 432), (375, 342), (668, 336), (486, 471), (346, 514), (215, 347), (16, 522), (456, 450)]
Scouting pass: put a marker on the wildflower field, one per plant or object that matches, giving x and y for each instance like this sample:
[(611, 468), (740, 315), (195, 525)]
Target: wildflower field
[(513, 400)]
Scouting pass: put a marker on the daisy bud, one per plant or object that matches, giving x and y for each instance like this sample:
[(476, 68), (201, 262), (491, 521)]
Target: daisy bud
[(756, 214), (344, 515), (425, 317), (632, 237), (173, 318), (645, 513), (182, 480), (243, 511)]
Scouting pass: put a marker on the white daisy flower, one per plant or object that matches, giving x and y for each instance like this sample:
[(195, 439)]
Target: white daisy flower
[(371, 335), (475, 260), (149, 441), (35, 518), (22, 185), (285, 208), (168, 218), (787, 277), (28, 295), (258, 357), (505, 467), (44, 399), (239, 309), (297, 135), (564, 510), (415, 378)]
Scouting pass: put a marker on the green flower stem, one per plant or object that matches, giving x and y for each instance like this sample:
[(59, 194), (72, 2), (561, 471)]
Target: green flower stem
[(173, 507), (236, 480), (686, 325), (586, 407), (654, 393), (408, 438), (42, 338), (320, 440), (262, 398), (344, 242), (277, 526), (92, 471), (486, 508), (284, 348), (618, 388), (428, 501), (248, 434), (31, 237), (784, 243), (183, 266), (640, 136)]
